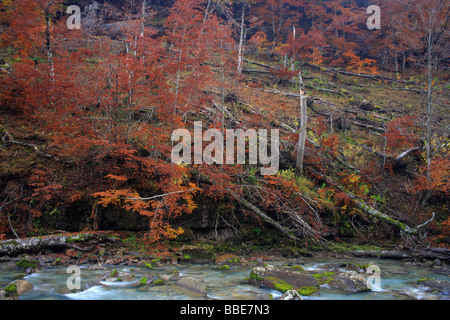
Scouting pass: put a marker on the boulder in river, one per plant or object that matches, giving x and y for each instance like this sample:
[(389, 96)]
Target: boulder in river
[(192, 285), (431, 285), (349, 281), (16, 289), (284, 279)]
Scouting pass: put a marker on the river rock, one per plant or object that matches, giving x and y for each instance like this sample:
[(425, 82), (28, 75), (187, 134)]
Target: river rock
[(440, 286), (291, 295), (192, 285), (284, 279), (349, 281), (16, 289)]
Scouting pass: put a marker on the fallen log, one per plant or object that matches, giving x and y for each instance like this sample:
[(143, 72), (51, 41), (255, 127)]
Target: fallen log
[(259, 64), (252, 208), (427, 254), (364, 207), (263, 215), (8, 140), (53, 243)]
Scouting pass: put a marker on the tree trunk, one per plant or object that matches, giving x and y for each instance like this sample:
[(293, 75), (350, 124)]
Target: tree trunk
[(241, 41), (303, 128), (53, 242), (429, 110), (48, 39)]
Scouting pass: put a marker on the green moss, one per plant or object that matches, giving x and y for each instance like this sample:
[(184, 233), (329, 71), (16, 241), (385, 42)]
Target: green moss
[(143, 282), (119, 280), (297, 268), (77, 238), (362, 266), (255, 276), (114, 273), (424, 279), (279, 284), (159, 282), (24, 263), (11, 291), (155, 261), (224, 267), (148, 265), (307, 290), (187, 257), (235, 259), (323, 278)]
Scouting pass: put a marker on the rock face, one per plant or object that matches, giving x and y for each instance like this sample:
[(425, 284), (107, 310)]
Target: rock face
[(284, 280), (192, 285), (349, 282)]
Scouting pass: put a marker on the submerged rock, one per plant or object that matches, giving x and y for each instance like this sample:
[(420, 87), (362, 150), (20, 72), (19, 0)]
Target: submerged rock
[(192, 285)]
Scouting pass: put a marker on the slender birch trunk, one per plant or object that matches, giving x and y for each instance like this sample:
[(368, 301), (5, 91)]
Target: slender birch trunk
[(303, 126), (241, 41)]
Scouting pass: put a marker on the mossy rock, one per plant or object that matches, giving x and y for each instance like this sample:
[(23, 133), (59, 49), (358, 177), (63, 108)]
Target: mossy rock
[(297, 267), (255, 276), (17, 288), (11, 291), (25, 263), (224, 267), (279, 284), (282, 279), (142, 282), (308, 290), (324, 278), (158, 282)]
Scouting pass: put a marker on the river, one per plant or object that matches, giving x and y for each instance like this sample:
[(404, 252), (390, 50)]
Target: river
[(397, 280)]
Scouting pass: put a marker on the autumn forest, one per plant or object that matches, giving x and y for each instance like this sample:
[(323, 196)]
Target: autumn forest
[(91, 93)]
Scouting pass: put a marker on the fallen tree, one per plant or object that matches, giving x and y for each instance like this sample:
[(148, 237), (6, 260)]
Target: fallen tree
[(429, 254), (80, 241), (375, 213)]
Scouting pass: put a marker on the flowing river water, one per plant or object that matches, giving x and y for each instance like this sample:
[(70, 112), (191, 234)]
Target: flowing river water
[(398, 280)]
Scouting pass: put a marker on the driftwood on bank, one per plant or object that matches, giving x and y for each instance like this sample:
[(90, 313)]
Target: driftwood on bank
[(54, 243)]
